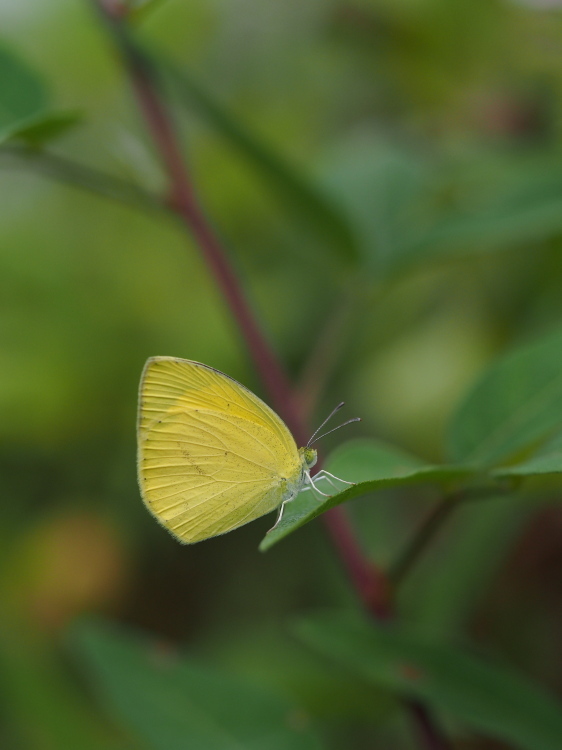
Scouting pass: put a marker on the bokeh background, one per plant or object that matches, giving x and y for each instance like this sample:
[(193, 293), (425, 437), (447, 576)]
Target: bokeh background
[(433, 131)]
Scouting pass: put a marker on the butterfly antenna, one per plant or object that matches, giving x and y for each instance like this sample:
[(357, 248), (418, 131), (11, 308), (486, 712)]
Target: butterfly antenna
[(330, 415), (349, 421)]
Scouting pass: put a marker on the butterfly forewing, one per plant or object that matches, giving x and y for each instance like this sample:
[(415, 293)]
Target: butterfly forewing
[(212, 455)]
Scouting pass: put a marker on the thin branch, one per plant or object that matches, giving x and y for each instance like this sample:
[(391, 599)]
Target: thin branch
[(426, 532), (81, 176), (435, 521), (425, 728), (370, 582)]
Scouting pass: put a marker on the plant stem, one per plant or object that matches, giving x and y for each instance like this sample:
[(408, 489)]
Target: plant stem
[(79, 175), (369, 582), (425, 728), (417, 545)]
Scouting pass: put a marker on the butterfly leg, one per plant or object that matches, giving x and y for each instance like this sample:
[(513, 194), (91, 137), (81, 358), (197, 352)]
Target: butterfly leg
[(318, 477), (326, 476), (279, 517), (281, 509), (338, 479), (323, 474), (309, 480)]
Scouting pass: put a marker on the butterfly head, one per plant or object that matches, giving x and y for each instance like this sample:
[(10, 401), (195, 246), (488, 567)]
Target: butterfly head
[(308, 456)]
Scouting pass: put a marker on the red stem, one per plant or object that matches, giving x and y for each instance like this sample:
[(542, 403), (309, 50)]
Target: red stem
[(370, 583)]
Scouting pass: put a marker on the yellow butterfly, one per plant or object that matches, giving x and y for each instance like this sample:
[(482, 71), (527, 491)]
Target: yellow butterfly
[(212, 456)]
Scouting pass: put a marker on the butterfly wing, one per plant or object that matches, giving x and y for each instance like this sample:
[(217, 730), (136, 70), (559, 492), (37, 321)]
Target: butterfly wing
[(211, 455)]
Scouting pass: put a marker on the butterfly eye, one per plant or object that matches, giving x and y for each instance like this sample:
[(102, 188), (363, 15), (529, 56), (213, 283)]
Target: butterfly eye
[(310, 456)]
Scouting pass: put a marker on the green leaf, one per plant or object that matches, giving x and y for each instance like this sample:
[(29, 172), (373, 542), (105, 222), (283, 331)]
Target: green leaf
[(547, 460), (23, 95), (384, 191), (46, 127), (39, 696), (173, 703), (45, 162), (515, 405), (488, 697), (302, 194), (25, 112), (406, 208), (373, 466), (520, 203)]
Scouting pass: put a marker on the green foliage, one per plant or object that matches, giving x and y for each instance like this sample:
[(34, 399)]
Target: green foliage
[(442, 598), (385, 190), (25, 112), (487, 697), (407, 209), (372, 466), (300, 193), (546, 460), (42, 704), (138, 9), (515, 406), (47, 128), (171, 702), (24, 95), (415, 149), (500, 204)]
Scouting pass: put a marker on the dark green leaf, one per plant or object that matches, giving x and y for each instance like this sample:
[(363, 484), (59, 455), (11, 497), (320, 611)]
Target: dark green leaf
[(173, 704), (25, 112), (515, 405), (373, 466), (384, 191), (23, 95), (406, 210), (46, 127), (522, 203), (490, 698), (547, 460), (49, 164), (304, 196)]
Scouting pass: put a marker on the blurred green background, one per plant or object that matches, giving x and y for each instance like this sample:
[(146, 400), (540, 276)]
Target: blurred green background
[(387, 175)]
